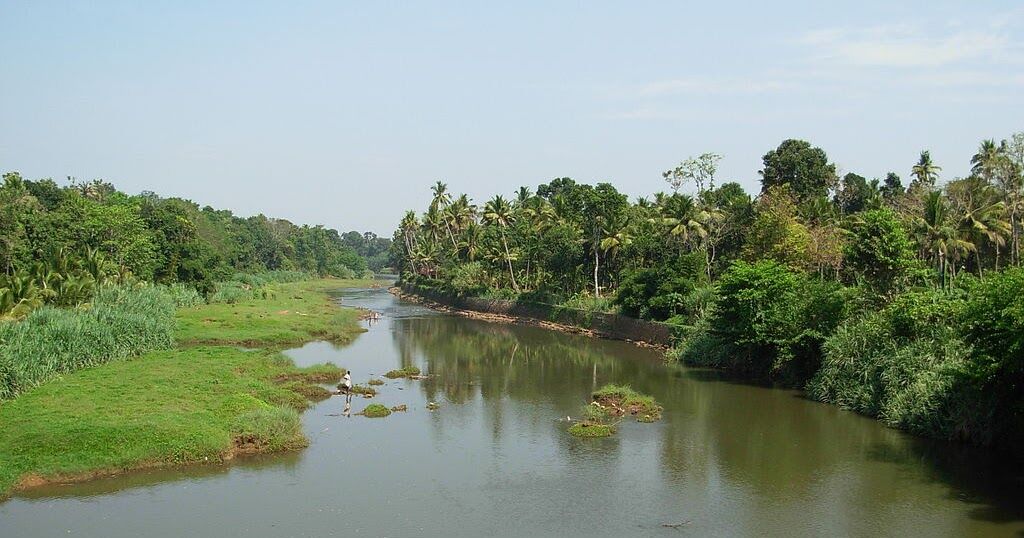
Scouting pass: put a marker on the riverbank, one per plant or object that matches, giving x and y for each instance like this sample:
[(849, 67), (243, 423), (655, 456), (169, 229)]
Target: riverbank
[(206, 400), (594, 324)]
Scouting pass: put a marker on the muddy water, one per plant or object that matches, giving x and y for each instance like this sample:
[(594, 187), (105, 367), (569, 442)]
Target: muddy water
[(728, 459)]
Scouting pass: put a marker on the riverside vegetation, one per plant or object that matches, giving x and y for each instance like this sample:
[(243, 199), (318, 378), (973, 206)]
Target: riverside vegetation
[(899, 301), (121, 321), (205, 400)]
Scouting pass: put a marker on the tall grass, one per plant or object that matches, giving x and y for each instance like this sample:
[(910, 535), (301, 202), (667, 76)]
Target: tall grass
[(121, 322)]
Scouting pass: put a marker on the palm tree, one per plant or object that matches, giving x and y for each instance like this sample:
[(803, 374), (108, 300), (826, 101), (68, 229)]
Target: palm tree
[(615, 234), (986, 160), (683, 218), (498, 212), (925, 171), (439, 203), (471, 239), (408, 227), (982, 216), (936, 234)]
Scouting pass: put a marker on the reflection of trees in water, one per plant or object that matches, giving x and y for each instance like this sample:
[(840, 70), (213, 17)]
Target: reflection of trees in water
[(764, 442)]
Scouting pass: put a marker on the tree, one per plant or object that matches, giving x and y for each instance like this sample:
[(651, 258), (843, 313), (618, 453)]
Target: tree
[(879, 249), (925, 172), (891, 187), (700, 170), (804, 168), (498, 212), (856, 194)]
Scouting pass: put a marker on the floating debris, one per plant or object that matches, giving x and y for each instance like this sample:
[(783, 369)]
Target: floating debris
[(433, 406), (402, 407)]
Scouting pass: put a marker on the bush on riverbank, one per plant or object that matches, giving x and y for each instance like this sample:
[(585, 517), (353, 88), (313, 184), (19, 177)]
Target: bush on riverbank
[(121, 322), (768, 322)]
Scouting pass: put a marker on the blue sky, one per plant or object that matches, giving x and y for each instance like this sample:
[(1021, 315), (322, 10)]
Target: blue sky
[(344, 113)]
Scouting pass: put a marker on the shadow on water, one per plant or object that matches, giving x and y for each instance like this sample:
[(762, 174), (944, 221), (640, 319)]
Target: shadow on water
[(991, 481)]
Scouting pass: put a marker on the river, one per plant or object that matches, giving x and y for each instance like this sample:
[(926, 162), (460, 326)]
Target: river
[(727, 459)]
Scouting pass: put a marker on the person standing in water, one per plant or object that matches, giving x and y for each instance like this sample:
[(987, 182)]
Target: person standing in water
[(346, 386)]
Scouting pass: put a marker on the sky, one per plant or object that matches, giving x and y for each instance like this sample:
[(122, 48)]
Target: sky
[(345, 113)]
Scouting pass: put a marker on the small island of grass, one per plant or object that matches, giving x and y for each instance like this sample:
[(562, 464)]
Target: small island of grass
[(376, 411), (408, 371)]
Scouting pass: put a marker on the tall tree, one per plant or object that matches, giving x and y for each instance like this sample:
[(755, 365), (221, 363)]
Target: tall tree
[(803, 167), (499, 212), (925, 172)]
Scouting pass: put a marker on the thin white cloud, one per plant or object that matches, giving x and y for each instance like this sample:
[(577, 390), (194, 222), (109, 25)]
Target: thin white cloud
[(709, 85), (907, 46)]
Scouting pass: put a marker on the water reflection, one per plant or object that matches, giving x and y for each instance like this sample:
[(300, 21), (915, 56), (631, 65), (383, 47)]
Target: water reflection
[(728, 458)]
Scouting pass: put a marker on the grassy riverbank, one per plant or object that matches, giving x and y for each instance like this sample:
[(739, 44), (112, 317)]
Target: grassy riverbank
[(205, 400)]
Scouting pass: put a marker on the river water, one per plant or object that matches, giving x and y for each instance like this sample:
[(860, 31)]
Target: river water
[(727, 459)]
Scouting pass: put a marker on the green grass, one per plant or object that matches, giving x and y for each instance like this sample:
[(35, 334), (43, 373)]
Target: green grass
[(376, 410), (591, 429), (364, 390), (206, 400), (408, 371), (295, 312), (121, 322), (618, 400), (376, 382)]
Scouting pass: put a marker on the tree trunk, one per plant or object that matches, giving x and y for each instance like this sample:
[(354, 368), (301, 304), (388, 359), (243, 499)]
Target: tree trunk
[(508, 258), (597, 261)]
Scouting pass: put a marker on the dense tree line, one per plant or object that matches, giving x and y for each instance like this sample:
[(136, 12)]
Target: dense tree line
[(783, 285), (59, 243)]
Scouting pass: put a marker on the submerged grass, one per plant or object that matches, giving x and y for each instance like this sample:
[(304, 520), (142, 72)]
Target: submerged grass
[(408, 371), (196, 403)]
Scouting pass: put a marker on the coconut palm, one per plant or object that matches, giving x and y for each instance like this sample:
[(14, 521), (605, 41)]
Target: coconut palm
[(925, 171), (439, 204), (985, 162), (982, 216), (499, 212), (408, 227), (683, 218), (937, 235), (471, 240)]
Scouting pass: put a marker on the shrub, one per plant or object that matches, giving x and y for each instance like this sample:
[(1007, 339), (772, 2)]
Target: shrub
[(469, 279), (769, 322), (908, 365), (184, 295), (993, 322), (123, 321)]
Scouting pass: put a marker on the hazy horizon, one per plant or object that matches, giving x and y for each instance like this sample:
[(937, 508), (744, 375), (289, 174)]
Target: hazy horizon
[(344, 115)]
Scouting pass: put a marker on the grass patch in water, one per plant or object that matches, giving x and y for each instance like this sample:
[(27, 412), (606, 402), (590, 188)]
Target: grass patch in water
[(591, 429), (368, 392), (376, 382), (408, 371), (376, 411), (619, 400)]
